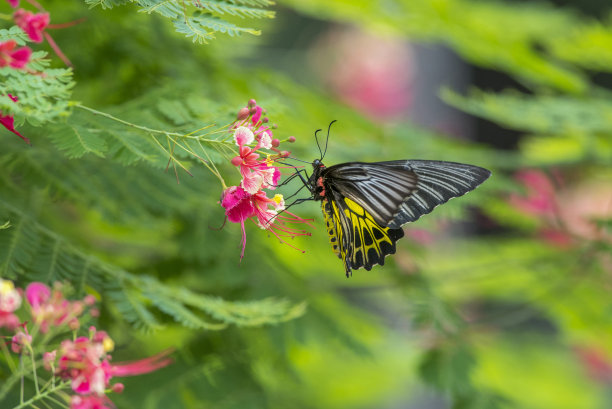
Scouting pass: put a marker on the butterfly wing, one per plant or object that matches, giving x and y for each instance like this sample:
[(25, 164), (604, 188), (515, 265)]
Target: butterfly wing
[(355, 236), (397, 192)]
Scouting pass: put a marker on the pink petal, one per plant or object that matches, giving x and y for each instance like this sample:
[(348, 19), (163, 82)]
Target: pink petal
[(237, 204), (20, 57), (243, 136), (37, 294), (257, 115), (13, 3), (265, 140), (252, 183), (142, 366)]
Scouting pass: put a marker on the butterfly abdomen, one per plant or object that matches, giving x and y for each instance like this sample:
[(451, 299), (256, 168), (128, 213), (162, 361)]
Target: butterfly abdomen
[(334, 240)]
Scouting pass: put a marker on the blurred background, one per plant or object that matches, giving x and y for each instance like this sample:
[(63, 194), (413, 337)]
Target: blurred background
[(499, 299)]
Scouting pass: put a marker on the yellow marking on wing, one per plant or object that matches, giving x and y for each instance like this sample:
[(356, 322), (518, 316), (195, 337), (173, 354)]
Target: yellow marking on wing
[(370, 242)]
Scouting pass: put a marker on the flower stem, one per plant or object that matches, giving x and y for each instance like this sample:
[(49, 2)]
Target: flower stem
[(22, 378), (34, 369), (131, 125), (40, 396)]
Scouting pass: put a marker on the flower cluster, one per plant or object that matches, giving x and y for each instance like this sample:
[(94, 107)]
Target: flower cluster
[(34, 25), (566, 213), (83, 363), (249, 200)]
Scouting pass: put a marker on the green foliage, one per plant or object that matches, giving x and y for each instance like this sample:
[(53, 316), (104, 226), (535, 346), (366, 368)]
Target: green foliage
[(43, 97), (31, 251), (200, 19), (116, 197)]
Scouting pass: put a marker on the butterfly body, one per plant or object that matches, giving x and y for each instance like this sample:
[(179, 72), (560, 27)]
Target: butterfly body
[(365, 204)]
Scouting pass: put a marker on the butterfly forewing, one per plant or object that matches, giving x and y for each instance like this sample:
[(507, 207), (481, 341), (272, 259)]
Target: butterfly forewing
[(398, 192), (365, 204)]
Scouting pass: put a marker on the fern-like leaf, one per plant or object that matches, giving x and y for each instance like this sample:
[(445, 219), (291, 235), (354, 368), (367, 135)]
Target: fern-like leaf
[(201, 19), (30, 250)]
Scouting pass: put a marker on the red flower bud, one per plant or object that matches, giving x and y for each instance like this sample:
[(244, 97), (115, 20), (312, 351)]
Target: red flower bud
[(236, 161), (118, 388), (243, 113), (275, 142), (252, 103), (291, 139)]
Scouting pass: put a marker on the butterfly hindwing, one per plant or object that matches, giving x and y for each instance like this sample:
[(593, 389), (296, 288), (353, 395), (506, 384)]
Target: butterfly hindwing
[(398, 192), (364, 243)]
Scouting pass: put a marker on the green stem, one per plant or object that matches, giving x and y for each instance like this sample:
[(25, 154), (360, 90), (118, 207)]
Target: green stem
[(22, 376), (121, 121), (43, 395), (34, 369)]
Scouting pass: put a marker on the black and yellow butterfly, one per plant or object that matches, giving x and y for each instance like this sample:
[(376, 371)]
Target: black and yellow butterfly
[(365, 204)]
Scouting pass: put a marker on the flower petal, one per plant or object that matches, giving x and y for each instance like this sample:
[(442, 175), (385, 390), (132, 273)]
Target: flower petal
[(243, 136)]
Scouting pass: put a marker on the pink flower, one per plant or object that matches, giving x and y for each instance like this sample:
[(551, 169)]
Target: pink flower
[(50, 308), (238, 208), (597, 364), (14, 58), (37, 294), (86, 364), (540, 197), (256, 174), (19, 341), (8, 121), (240, 205), (13, 3), (32, 24), (10, 300), (49, 360), (90, 402)]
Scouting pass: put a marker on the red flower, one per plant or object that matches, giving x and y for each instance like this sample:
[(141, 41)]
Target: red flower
[(86, 364), (32, 24), (240, 205), (540, 193), (8, 121), (50, 308), (14, 58)]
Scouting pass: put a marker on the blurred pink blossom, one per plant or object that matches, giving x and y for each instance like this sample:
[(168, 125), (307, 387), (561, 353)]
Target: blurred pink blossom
[(373, 74), (32, 24)]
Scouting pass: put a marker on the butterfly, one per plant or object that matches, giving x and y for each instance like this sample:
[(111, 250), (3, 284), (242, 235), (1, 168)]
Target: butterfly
[(366, 204)]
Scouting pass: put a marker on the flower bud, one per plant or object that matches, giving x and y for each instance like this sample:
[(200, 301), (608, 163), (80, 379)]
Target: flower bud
[(19, 340), (236, 160), (291, 139), (275, 142), (74, 324), (243, 113), (285, 154), (265, 120), (253, 111), (274, 126), (49, 360), (252, 103), (89, 300), (118, 388)]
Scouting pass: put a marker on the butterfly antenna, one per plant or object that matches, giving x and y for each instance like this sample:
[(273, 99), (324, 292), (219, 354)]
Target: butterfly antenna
[(317, 140), (327, 139), (299, 160)]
